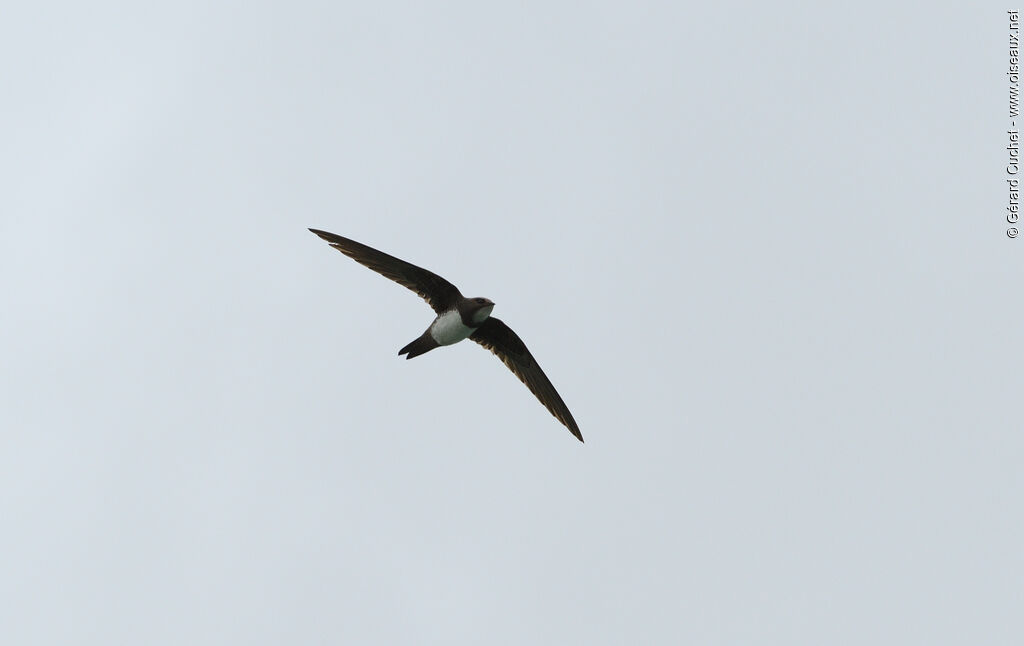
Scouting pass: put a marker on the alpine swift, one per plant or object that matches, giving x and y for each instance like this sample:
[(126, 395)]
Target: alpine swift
[(459, 318)]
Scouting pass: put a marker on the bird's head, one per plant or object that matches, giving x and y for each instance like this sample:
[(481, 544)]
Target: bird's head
[(480, 309)]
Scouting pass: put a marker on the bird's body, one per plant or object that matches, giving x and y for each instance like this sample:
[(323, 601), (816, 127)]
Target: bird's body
[(449, 328), (458, 318)]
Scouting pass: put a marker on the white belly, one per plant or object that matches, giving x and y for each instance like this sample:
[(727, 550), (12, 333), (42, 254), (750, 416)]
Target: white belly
[(449, 328)]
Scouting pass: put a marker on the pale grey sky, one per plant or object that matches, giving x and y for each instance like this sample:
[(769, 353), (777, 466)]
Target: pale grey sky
[(759, 250)]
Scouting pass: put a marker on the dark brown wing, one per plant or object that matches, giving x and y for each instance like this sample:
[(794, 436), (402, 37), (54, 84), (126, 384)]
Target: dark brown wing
[(438, 292), (506, 344)]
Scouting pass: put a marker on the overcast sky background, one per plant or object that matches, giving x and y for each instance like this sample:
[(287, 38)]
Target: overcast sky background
[(760, 251)]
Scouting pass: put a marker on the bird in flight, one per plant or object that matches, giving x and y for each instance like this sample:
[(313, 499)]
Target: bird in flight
[(459, 318)]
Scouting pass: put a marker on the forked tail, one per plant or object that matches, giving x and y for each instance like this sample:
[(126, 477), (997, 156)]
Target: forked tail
[(425, 343)]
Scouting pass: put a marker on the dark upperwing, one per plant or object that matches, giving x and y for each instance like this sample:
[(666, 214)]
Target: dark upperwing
[(438, 292), (506, 344)]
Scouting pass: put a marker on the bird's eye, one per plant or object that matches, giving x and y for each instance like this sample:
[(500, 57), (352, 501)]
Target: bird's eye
[(480, 301)]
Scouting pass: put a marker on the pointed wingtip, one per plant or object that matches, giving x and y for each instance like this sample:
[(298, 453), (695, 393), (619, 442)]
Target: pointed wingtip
[(575, 430)]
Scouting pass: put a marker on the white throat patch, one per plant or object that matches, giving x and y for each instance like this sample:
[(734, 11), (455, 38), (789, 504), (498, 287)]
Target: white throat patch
[(481, 314), (448, 328)]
